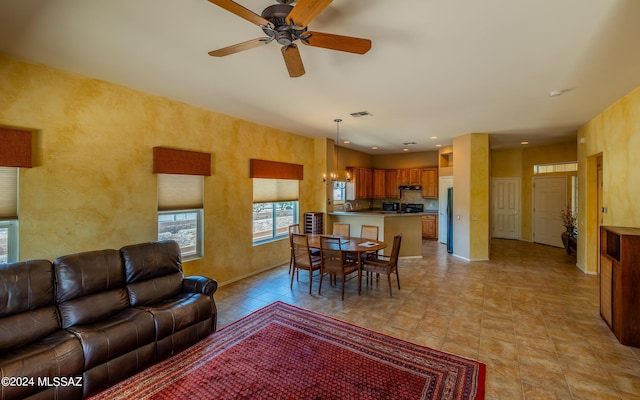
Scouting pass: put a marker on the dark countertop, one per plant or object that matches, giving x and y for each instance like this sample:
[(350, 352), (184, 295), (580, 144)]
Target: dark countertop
[(379, 212)]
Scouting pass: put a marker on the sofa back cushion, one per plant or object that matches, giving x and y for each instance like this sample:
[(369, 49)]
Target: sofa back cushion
[(153, 271), (27, 310), (90, 286)]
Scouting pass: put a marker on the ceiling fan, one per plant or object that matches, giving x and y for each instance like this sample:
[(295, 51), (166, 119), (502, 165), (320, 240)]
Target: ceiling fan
[(285, 24)]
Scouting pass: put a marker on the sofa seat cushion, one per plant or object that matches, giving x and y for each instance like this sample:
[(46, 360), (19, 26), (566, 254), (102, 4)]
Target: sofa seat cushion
[(180, 312), (105, 340), (57, 355)]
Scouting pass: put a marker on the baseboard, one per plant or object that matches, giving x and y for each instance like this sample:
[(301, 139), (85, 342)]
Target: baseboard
[(469, 259), (251, 274)]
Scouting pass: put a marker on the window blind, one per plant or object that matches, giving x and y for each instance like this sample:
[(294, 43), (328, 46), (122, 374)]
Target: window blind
[(180, 192), (274, 190), (8, 192)]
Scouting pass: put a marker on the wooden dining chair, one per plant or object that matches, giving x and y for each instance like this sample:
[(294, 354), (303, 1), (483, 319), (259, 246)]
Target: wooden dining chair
[(341, 229), (295, 228), (302, 257), (386, 264), (334, 262), (369, 232)]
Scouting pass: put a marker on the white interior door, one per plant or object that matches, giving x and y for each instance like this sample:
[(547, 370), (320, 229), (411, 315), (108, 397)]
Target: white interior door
[(444, 184), (549, 199), (505, 208)]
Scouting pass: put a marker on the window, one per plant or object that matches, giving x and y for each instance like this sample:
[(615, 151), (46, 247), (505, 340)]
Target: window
[(339, 192), (271, 220), (8, 215), (275, 207), (184, 227), (180, 212), (551, 168)]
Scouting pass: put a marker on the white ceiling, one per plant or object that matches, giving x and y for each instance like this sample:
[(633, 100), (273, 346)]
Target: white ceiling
[(436, 68)]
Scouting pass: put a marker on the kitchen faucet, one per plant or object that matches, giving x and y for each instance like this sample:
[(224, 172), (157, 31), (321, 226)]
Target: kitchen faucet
[(348, 206)]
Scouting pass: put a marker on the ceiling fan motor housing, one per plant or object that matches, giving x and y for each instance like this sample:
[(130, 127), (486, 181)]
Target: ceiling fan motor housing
[(282, 32)]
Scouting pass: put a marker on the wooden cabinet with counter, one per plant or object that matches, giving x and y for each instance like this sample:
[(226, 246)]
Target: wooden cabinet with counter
[(430, 227), (368, 183), (619, 282)]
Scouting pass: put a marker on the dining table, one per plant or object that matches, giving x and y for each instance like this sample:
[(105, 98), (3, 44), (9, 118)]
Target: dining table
[(350, 244)]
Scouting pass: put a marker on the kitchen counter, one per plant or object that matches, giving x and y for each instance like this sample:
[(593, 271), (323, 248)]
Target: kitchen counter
[(378, 212), (389, 223)]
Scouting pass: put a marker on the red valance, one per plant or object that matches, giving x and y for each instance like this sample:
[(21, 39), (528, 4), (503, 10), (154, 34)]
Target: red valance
[(275, 170), (15, 148), (183, 162)]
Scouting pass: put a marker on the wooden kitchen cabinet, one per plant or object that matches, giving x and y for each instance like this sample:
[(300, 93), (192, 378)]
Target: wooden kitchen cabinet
[(409, 176), (379, 186), (361, 184), (430, 227), (619, 282), (391, 184), (429, 183)]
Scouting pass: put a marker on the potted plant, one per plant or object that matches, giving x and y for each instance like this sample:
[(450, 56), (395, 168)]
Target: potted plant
[(568, 219)]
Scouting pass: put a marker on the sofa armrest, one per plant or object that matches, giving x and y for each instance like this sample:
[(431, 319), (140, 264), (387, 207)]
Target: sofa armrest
[(199, 284)]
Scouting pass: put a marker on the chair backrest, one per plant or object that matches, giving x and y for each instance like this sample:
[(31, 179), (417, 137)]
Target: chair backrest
[(395, 251), (341, 229), (331, 253), (300, 246), (295, 228), (369, 232)]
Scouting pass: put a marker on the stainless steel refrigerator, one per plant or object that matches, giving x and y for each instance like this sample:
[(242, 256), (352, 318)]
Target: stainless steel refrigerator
[(450, 220)]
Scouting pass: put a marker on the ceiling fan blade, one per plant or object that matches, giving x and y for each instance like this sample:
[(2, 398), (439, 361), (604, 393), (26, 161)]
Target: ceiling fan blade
[(236, 48), (338, 42), (242, 12), (292, 60), (306, 10)]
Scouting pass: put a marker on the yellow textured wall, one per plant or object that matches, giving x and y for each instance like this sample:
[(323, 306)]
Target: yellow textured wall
[(615, 133), (92, 186), (506, 163), (471, 196)]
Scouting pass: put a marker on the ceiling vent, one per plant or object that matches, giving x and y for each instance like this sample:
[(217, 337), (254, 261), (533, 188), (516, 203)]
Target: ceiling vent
[(361, 114)]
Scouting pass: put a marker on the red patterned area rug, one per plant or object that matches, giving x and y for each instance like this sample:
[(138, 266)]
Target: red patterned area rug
[(285, 352)]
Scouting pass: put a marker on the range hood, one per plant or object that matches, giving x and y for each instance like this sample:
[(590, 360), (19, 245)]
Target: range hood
[(410, 187)]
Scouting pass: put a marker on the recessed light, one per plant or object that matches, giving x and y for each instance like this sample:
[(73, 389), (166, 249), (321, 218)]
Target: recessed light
[(405, 149), (347, 142), (524, 142), (374, 147), (438, 145), (433, 137)]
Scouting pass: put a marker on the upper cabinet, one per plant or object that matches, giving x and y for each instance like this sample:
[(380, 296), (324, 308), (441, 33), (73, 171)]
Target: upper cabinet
[(361, 184), (429, 183), (367, 183), (409, 176), (379, 184), (391, 184)]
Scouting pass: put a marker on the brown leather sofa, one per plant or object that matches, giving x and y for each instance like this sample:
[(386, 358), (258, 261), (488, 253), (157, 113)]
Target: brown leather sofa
[(100, 316)]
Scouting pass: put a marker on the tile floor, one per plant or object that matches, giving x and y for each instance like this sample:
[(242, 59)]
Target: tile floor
[(528, 313)]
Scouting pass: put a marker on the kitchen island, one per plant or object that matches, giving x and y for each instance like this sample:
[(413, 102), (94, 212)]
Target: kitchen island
[(389, 224)]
